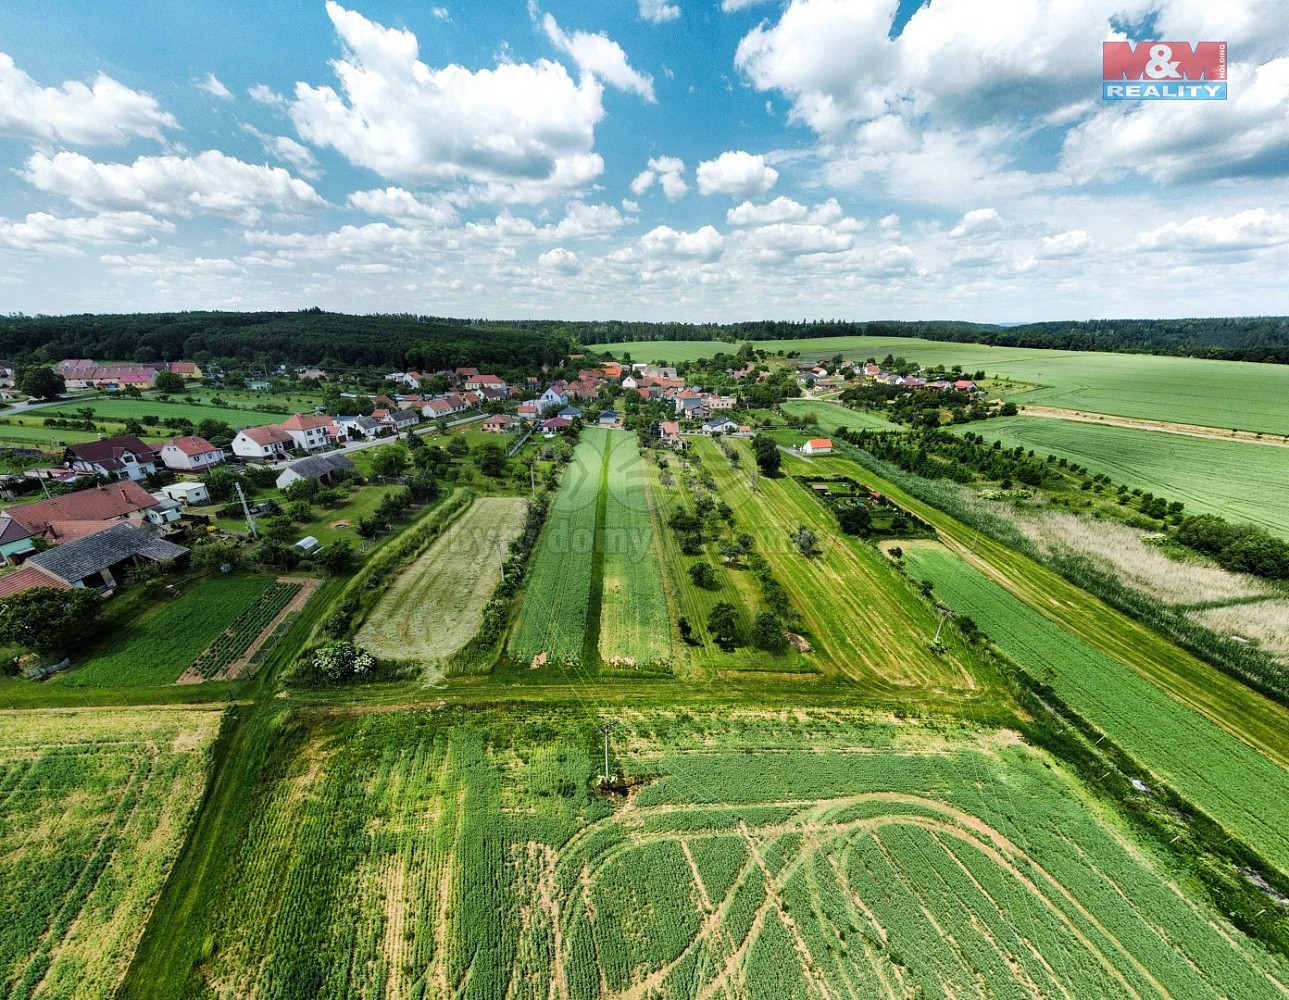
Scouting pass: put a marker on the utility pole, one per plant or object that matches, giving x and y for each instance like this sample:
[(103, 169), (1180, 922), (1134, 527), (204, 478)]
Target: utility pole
[(607, 728), (945, 613), (246, 510), (501, 561)]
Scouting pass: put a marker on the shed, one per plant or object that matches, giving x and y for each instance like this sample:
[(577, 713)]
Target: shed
[(308, 545)]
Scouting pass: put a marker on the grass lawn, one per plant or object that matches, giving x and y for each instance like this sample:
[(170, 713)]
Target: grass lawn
[(159, 645), (1224, 394), (31, 433), (120, 410)]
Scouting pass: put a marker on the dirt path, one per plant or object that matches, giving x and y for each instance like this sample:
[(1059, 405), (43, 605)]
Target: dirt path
[(1161, 426)]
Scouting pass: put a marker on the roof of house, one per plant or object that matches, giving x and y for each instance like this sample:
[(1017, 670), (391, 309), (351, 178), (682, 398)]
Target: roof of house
[(99, 503), (101, 550), (300, 422), (498, 418), (609, 414), (12, 531), (317, 466), (405, 417), (719, 422), (27, 578), (556, 423), (192, 446), (183, 367), (820, 442), (108, 452), (265, 436), (488, 379), (964, 383), (669, 427), (366, 423)]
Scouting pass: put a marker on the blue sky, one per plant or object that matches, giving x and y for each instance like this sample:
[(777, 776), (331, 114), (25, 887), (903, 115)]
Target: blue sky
[(637, 159)]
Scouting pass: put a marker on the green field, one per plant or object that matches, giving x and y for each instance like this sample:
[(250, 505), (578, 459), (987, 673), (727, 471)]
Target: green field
[(1226, 394), (635, 624), (1237, 786), (1236, 479), (158, 648), (832, 415), (32, 433), (435, 605), (791, 855), (552, 616), (94, 806)]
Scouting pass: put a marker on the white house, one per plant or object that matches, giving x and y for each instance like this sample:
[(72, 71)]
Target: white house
[(262, 444), (308, 433), (165, 511), (817, 446), (715, 402), (552, 397), (192, 494), (191, 454), (360, 427), (720, 425)]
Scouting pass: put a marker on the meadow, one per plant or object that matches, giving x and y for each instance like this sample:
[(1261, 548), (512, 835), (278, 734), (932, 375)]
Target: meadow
[(1239, 480), (1225, 394), (434, 607), (830, 416), (635, 623), (1242, 790), (94, 806), (767, 854), (159, 646), (553, 615)]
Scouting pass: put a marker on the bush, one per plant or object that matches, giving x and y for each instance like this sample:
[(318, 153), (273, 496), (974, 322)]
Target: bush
[(341, 661), (703, 575)]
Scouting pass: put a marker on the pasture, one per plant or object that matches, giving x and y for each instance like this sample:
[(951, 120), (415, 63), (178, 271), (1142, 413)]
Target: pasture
[(1225, 394), (1239, 480), (1242, 790), (94, 806), (773, 855), (435, 605), (553, 614), (159, 646)]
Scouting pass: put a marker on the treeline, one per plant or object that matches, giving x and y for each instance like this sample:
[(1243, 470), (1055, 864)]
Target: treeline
[(1248, 338), (311, 337)]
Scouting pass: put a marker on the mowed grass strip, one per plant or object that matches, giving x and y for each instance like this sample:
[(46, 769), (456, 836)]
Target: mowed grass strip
[(862, 619), (1237, 786), (95, 807), (1225, 394), (553, 610), (434, 607), (635, 627), (159, 647), (1236, 479)]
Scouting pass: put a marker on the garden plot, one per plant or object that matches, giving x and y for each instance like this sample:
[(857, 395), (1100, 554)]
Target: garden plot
[(435, 606), (94, 806)]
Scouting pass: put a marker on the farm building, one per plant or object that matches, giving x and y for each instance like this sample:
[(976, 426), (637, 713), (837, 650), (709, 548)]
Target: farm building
[(124, 457), (610, 418), (187, 493), (99, 560), (818, 446), (61, 519), (191, 454), (307, 545), (326, 469)]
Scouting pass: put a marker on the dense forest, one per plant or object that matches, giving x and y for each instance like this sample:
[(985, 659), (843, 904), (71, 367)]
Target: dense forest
[(314, 337)]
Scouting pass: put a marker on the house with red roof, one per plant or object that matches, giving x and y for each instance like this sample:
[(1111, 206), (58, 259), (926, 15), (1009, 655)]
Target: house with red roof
[(191, 454), (669, 433), (308, 433), (965, 385), (75, 515), (817, 446), (477, 381), (262, 444)]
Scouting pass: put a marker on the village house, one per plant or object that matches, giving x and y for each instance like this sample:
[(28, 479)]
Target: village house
[(715, 403), (262, 444), (610, 418), (191, 454), (99, 561), (554, 396), (368, 428), (555, 424), (485, 382), (669, 434), (401, 421), (124, 457), (498, 423), (720, 425), (817, 446), (189, 494), (82, 373), (75, 515), (570, 413), (326, 469)]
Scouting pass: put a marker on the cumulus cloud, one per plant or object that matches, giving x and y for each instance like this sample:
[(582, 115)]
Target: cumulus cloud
[(208, 183), (211, 85), (559, 260), (520, 132), (599, 56), (104, 113), (1063, 246), (704, 244), (264, 94), (667, 172), (736, 173), (287, 150), (729, 6), (1252, 229), (658, 11), (977, 222), (580, 222), (403, 206), (45, 232)]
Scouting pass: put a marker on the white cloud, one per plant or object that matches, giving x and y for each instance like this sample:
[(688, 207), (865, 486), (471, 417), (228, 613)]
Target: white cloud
[(264, 94), (208, 183), (211, 85), (287, 150), (441, 13), (782, 209), (658, 11), (1063, 246), (105, 113), (666, 171), (599, 56), (736, 173), (403, 206), (559, 260), (42, 231), (630, 206), (729, 6), (520, 132), (977, 222), (664, 242), (1252, 229), (580, 222)]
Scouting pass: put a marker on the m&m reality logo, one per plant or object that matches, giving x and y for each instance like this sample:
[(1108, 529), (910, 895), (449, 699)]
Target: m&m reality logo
[(1163, 71)]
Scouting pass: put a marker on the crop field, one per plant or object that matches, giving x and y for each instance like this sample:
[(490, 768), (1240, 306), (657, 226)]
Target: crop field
[(635, 625), (552, 617), (832, 415), (767, 855), (160, 647), (863, 621), (233, 643), (94, 805), (435, 605), (1223, 394), (1236, 479), (1238, 787)]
